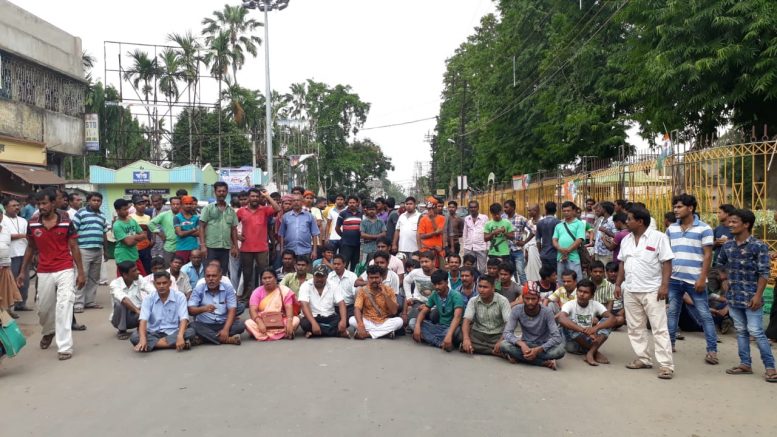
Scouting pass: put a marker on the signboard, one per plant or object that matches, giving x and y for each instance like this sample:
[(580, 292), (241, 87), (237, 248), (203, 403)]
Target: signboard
[(146, 191), (238, 179), (440, 191), (141, 177), (521, 182), (92, 132), (462, 183)]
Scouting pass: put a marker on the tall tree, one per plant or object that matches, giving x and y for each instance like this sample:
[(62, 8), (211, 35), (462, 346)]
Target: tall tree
[(235, 23), (190, 58), (219, 58)]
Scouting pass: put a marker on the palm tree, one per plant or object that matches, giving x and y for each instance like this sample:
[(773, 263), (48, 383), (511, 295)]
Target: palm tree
[(243, 107), (169, 74), (234, 22), (189, 57), (297, 98), (142, 73), (218, 58)]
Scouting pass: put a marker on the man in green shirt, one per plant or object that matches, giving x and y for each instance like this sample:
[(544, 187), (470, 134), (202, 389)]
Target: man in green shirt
[(128, 234), (163, 226), (498, 232), (446, 334), (568, 236), (218, 228), (294, 280), (484, 320)]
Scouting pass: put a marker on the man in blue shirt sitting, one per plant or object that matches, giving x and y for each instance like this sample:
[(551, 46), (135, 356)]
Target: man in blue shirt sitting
[(164, 321), (215, 310)]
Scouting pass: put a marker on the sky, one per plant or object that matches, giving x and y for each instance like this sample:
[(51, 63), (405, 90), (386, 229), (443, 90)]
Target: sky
[(391, 52)]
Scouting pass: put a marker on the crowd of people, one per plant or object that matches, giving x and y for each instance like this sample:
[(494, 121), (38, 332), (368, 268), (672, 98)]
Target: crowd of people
[(269, 267)]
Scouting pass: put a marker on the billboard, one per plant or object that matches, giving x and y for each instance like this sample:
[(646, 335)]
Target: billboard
[(92, 132), (238, 179)]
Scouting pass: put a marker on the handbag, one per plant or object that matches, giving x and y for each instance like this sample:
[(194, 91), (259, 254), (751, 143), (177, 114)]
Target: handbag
[(273, 319), (11, 336), (582, 252)]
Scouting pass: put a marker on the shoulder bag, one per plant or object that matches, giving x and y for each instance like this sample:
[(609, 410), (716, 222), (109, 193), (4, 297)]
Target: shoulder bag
[(582, 252), (273, 319)]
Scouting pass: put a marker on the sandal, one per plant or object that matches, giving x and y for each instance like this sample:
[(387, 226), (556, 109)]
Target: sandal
[(711, 358), (94, 306), (64, 356), (123, 335), (665, 373), (637, 364), (739, 370), (45, 342), (770, 377)]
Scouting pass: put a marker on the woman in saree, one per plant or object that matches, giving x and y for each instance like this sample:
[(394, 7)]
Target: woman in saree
[(267, 301)]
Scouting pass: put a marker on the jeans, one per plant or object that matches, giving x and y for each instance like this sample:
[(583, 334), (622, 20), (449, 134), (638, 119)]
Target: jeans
[(512, 350), (351, 255), (520, 265), (750, 322), (701, 302), (569, 265), (434, 334), (16, 267)]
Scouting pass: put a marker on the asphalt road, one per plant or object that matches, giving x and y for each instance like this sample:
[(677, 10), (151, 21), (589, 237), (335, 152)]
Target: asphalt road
[(378, 387)]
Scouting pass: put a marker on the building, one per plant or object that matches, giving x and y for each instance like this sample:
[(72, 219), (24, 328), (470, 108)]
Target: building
[(42, 95)]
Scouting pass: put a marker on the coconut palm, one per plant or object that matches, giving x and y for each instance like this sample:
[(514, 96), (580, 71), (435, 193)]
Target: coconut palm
[(169, 75), (141, 75), (219, 58), (234, 22), (189, 57)]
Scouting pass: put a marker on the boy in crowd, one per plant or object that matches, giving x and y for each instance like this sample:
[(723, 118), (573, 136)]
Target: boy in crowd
[(586, 324)]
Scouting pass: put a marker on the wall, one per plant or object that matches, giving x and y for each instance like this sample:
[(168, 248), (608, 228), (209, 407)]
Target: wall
[(30, 37), (112, 192), (21, 121), (63, 133), (19, 152)]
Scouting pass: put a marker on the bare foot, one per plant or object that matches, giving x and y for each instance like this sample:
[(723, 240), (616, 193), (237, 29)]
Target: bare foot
[(550, 364), (601, 358), (511, 359), (308, 334), (590, 359)]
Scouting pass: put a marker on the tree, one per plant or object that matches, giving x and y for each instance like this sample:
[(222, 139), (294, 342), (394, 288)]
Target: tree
[(218, 58), (141, 75), (189, 58), (207, 138), (169, 74), (233, 22)]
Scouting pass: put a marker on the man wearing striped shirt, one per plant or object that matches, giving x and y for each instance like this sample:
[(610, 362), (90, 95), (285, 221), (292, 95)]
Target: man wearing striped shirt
[(691, 241), (90, 225)]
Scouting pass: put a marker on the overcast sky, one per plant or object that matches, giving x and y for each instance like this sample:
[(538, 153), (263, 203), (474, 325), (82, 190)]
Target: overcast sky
[(391, 52)]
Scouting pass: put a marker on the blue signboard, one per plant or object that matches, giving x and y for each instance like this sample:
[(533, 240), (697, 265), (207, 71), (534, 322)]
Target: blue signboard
[(141, 177)]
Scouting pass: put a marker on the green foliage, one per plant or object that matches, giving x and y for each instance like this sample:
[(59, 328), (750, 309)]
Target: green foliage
[(205, 147)]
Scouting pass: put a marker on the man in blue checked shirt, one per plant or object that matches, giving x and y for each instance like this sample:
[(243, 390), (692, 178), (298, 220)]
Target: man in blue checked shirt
[(692, 242), (214, 308), (746, 261), (164, 320)]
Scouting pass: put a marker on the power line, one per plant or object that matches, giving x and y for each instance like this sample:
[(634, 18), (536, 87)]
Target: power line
[(399, 124)]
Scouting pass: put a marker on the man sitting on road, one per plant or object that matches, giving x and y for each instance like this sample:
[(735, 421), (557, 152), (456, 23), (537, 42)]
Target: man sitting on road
[(586, 324), (469, 286), (322, 306), (295, 280), (446, 333), (164, 320), (507, 286), (128, 291), (179, 278), (343, 279), (214, 309), (374, 307), (194, 269), (563, 294), (540, 342), (484, 320)]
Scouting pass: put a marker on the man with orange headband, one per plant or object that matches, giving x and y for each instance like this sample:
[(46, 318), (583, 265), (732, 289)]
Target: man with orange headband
[(186, 224), (430, 230)]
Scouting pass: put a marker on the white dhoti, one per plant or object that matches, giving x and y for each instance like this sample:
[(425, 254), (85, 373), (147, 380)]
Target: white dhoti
[(377, 330), (533, 263)]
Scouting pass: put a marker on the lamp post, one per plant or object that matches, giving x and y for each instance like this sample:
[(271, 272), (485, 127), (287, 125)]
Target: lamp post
[(267, 6)]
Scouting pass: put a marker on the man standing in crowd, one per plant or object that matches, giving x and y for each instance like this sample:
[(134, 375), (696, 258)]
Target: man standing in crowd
[(331, 236), (157, 207), (91, 226), (430, 232), (406, 233), (643, 283), (187, 228), (74, 204), (546, 227), (746, 261), (523, 234), (567, 239), (142, 219), (163, 227), (391, 221), (254, 251), (372, 229), (52, 237), (299, 231), (473, 235), (533, 262), (454, 227), (17, 227), (498, 232), (722, 232), (692, 242), (606, 230), (485, 317), (128, 234), (218, 228)]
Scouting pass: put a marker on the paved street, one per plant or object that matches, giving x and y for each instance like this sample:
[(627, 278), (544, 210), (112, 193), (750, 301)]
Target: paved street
[(383, 387)]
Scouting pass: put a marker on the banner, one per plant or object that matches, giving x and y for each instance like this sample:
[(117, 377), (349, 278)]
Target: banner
[(146, 191), (521, 182), (92, 132), (569, 190), (295, 160), (238, 179)]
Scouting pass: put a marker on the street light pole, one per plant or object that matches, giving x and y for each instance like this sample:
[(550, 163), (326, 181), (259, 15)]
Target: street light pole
[(266, 6)]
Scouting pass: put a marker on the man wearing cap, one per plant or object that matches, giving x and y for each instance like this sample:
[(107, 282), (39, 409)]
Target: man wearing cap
[(322, 306), (540, 341), (430, 230)]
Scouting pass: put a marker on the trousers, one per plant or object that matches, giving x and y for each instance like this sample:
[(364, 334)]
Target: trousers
[(92, 260), (152, 338), (351, 255), (210, 331), (702, 305), (56, 294), (123, 319), (377, 330), (252, 263), (641, 308), (16, 268), (512, 350), (328, 325)]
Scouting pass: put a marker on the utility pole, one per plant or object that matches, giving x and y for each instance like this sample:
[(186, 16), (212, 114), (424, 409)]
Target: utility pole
[(430, 139), (461, 141)]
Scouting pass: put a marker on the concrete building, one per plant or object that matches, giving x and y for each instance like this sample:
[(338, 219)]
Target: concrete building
[(42, 94)]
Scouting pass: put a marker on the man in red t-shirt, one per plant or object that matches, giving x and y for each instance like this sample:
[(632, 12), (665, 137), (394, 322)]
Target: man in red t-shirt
[(254, 249), (430, 230), (52, 237)]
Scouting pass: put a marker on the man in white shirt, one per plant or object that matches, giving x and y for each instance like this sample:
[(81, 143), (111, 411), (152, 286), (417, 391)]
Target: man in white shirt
[(17, 227), (473, 237), (331, 236), (405, 235), (343, 280), (643, 282), (322, 306), (128, 291), (394, 264), (586, 324)]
